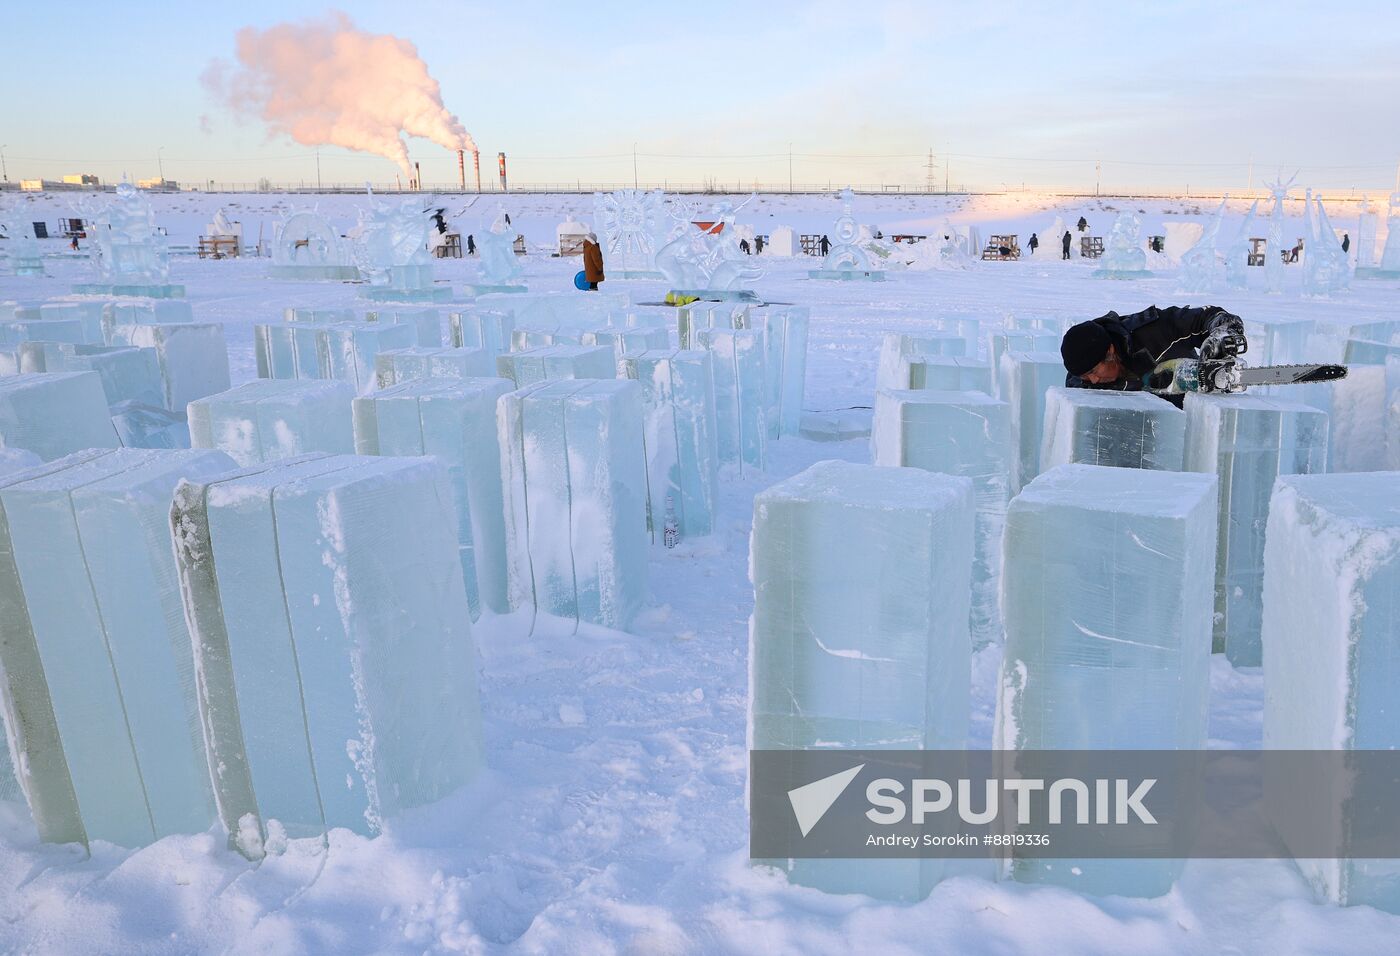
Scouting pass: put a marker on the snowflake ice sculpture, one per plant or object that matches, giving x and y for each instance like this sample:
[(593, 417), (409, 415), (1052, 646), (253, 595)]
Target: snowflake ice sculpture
[(845, 255), (633, 224)]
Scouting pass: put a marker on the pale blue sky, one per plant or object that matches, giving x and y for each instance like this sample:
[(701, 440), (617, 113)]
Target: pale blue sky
[(1016, 91)]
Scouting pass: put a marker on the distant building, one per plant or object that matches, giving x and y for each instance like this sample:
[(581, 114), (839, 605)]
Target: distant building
[(158, 185), (81, 179)]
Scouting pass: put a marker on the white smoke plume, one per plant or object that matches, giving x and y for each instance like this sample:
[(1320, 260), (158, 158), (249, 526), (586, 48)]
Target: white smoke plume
[(323, 82)]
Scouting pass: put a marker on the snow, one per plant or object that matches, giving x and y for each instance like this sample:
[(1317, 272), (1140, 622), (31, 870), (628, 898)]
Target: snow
[(627, 831)]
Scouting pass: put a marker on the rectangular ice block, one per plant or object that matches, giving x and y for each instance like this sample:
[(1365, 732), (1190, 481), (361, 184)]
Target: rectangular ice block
[(54, 413), (573, 466), (481, 329), (559, 308), (1019, 340), (1120, 429), (625, 341), (192, 356), (402, 365), (124, 311), (318, 315), (899, 349), (149, 426), (128, 374), (784, 331), (682, 451), (1024, 377), (1356, 411), (91, 545), (950, 374), (333, 649), (957, 433), (740, 369), (550, 362), (87, 312), (267, 419), (426, 323), (1332, 646), (347, 351), (538, 336), (699, 316), (1248, 442), (1106, 594), (455, 421)]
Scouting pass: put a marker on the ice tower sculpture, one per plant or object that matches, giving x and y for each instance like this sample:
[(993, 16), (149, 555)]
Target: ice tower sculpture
[(1118, 429), (1331, 620), (1107, 639), (633, 227), (391, 249), (1274, 248), (1237, 253), (846, 260), (1248, 441), (1124, 258), (131, 255), (1198, 264), (500, 268), (333, 651), (1325, 267), (307, 247)]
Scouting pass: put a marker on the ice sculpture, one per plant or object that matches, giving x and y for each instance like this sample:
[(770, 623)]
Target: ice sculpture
[(859, 630), (1024, 378), (130, 253), (1325, 267), (1331, 576), (1018, 340), (500, 269), (702, 255), (1274, 248), (391, 249), (482, 328), (1124, 258), (555, 362), (1389, 267), (899, 351), (633, 224), (192, 356), (1248, 441), (846, 260), (785, 342), (102, 647), (950, 374), (269, 419), (333, 650), (128, 374), (1120, 429), (401, 365), (957, 433), (741, 389), (1107, 638), (575, 489), (1199, 264), (1238, 252), (682, 447), (306, 247), (54, 413), (454, 421)]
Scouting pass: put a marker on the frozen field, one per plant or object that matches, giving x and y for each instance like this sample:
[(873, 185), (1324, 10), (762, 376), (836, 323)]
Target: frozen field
[(612, 817)]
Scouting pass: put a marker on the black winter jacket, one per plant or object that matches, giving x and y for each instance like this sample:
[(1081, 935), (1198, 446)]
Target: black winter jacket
[(1147, 338)]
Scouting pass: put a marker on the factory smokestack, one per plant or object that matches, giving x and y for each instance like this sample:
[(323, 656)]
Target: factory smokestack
[(476, 164), (417, 177), (462, 169), (501, 159)]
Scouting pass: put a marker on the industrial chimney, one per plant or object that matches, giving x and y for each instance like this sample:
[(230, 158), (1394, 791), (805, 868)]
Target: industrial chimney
[(501, 161), (476, 164), (417, 177), (462, 168)]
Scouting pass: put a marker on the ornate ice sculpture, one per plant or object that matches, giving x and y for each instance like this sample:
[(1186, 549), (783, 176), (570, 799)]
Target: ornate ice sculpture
[(306, 247), (131, 255), (1198, 266), (1237, 253), (392, 251), (696, 260), (1124, 258), (1325, 268), (633, 227), (846, 259), (1274, 248), (499, 267)]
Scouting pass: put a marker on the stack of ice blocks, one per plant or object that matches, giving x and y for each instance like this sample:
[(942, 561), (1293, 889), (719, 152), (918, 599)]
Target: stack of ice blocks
[(682, 451), (572, 461), (481, 329), (950, 374), (1120, 429), (558, 308), (859, 630), (426, 322), (45, 324), (785, 338), (54, 413), (965, 325), (333, 650), (293, 314), (119, 312), (741, 418), (192, 357), (899, 349), (98, 668), (128, 374), (267, 419), (1024, 378), (557, 362), (453, 420), (698, 317), (625, 341), (1392, 415), (957, 433), (11, 460), (1248, 442), (536, 336), (403, 365), (344, 350), (1019, 340), (1106, 593), (89, 312), (1331, 628)]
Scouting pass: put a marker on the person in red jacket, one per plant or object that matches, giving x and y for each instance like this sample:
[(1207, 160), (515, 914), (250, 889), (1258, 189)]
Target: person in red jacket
[(592, 261)]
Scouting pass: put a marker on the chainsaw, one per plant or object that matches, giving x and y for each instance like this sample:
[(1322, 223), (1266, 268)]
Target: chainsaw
[(1219, 370)]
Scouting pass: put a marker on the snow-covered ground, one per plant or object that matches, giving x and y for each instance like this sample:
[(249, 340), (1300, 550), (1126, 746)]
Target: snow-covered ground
[(612, 818)]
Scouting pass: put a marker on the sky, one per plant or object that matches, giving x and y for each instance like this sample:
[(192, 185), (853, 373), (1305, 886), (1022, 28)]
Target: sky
[(1127, 96)]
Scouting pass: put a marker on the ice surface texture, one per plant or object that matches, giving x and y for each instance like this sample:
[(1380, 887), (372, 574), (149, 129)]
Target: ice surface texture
[(575, 488), (1247, 441), (1019, 340), (100, 648), (192, 356), (1331, 629), (488, 329), (333, 648), (1106, 592), (899, 350), (128, 374), (54, 413), (740, 370), (785, 340), (1122, 429), (269, 419), (455, 421), (957, 433), (1024, 377), (402, 365), (343, 350), (680, 434), (555, 362), (698, 316)]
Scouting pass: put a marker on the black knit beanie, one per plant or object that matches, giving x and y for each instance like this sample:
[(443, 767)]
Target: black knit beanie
[(1084, 346)]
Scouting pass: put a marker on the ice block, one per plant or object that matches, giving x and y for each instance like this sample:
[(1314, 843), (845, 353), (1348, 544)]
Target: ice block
[(538, 336), (740, 370), (54, 413), (402, 365), (1024, 378), (556, 362), (347, 351), (784, 331), (950, 374), (1247, 441), (699, 316), (626, 341), (192, 356), (899, 349), (149, 426), (481, 329), (128, 374), (1121, 429), (573, 466), (1019, 340), (427, 324), (268, 419), (88, 312)]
